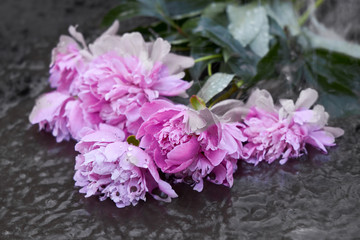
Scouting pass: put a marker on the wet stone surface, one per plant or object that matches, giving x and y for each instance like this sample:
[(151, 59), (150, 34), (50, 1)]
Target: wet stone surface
[(315, 197)]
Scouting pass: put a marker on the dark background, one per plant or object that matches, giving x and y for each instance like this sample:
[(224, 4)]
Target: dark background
[(315, 197)]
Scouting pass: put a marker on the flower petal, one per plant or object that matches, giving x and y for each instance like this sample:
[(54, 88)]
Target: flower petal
[(306, 99), (47, 106), (216, 156), (184, 152)]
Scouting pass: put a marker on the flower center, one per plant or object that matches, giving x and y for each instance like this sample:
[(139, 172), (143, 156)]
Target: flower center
[(171, 136)]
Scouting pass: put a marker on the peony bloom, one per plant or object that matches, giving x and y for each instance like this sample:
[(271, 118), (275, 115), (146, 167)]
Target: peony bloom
[(280, 133), (111, 168), (190, 145), (70, 58), (127, 73), (62, 115)]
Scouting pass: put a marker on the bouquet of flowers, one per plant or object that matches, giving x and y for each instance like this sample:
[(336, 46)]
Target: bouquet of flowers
[(115, 97)]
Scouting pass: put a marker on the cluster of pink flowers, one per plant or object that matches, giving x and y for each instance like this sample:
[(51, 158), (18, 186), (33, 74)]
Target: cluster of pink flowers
[(115, 89), (107, 82)]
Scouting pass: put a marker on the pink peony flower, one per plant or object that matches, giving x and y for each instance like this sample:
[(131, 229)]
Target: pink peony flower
[(190, 145), (280, 133), (62, 115), (128, 73), (69, 58), (111, 168)]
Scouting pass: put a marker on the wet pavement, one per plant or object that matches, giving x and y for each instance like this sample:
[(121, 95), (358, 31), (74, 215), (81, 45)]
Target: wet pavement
[(316, 197)]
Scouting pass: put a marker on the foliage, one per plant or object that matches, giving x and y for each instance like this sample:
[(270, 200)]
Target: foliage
[(251, 43)]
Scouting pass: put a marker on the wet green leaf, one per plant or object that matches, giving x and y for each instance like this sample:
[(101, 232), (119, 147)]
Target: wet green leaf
[(214, 85), (334, 96), (214, 9), (242, 61), (336, 44), (249, 25), (266, 68), (284, 14), (337, 68)]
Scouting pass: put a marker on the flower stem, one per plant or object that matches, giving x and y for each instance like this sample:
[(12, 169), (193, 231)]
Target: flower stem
[(209, 57), (209, 69), (306, 14), (234, 88)]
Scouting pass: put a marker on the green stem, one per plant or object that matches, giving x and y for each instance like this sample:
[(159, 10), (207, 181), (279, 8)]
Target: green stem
[(209, 57), (234, 88), (209, 69), (306, 14), (226, 95)]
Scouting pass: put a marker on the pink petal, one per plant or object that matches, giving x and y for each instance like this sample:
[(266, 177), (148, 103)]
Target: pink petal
[(106, 133), (150, 108), (114, 151), (320, 139), (174, 166), (176, 63), (303, 116), (163, 186), (215, 157), (76, 119), (47, 106), (336, 132), (185, 151), (172, 85), (220, 174)]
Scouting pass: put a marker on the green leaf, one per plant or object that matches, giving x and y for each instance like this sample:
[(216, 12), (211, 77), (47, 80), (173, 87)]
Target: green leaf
[(338, 69), (280, 55), (180, 9), (201, 47), (249, 25), (132, 140), (144, 8), (334, 96), (329, 39), (214, 9), (284, 14), (130, 9), (266, 68), (336, 44), (166, 11), (242, 62), (189, 25), (123, 11), (214, 85)]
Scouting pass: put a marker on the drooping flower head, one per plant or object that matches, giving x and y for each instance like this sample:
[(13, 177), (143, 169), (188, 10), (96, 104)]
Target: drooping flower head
[(111, 168), (188, 144), (280, 133)]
